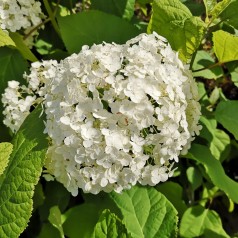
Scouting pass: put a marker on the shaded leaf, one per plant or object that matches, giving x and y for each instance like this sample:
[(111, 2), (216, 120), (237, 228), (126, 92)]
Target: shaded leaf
[(122, 8), (109, 225), (146, 212), (225, 115), (21, 176), (5, 152), (174, 21), (94, 27), (174, 193), (229, 14), (207, 223), (214, 170), (194, 177), (225, 46), (55, 219)]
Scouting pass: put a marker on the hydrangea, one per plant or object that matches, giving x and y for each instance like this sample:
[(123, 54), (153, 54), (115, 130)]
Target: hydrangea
[(19, 14), (117, 115)]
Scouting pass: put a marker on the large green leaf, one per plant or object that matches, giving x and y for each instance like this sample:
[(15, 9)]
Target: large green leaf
[(122, 8), (198, 221), (174, 21), (230, 13), (225, 46), (109, 225), (226, 114), (5, 152), (5, 39), (94, 27), (146, 212), (21, 175), (214, 170)]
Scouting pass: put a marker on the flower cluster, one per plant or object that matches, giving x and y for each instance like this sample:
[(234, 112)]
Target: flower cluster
[(20, 14), (116, 114)]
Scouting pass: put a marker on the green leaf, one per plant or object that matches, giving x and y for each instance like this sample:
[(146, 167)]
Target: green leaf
[(225, 46), (21, 176), (55, 219), (218, 140), (109, 225), (219, 8), (94, 27), (174, 193), (229, 14), (203, 60), (226, 115), (5, 39), (209, 5), (194, 177), (146, 212), (176, 23), (12, 67), (122, 8), (48, 230), (214, 170), (21, 46), (198, 221), (5, 152)]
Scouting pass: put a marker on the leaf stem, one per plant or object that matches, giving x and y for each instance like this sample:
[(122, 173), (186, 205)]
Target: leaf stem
[(208, 67)]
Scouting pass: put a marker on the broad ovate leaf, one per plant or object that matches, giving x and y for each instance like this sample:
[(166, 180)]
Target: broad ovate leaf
[(229, 14), (122, 8), (225, 46), (5, 39), (226, 114), (109, 225), (146, 212), (197, 221), (175, 22), (214, 170), (94, 27), (5, 152), (21, 176)]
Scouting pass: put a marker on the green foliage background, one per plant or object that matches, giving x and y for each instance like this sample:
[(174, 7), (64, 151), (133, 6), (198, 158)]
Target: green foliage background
[(201, 199)]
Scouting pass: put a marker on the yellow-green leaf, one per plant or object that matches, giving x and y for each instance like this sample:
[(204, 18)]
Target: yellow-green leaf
[(5, 39), (5, 152), (21, 46), (225, 46)]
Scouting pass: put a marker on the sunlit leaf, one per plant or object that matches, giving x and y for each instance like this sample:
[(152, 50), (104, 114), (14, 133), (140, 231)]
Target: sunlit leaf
[(225, 46), (174, 21), (5, 39), (198, 221), (55, 219), (146, 212), (194, 177), (21, 175), (5, 152)]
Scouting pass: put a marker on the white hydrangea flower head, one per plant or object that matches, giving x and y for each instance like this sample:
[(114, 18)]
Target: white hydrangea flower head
[(117, 115), (20, 14)]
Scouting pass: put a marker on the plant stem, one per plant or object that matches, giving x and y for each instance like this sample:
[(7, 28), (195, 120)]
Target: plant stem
[(52, 16), (209, 67)]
